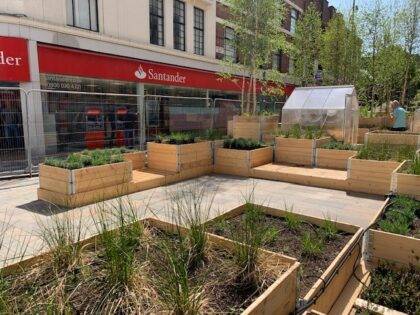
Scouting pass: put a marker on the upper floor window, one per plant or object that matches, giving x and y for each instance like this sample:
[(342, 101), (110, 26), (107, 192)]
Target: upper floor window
[(179, 25), (276, 59), (293, 20), (83, 14), (230, 51), (198, 31), (156, 22)]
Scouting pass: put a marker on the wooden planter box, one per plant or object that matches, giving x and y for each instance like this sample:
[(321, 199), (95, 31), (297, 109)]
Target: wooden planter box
[(335, 159), (405, 184), (178, 158), (297, 151), (254, 127), (393, 138), (340, 270), (279, 298), (73, 188), (138, 159), (372, 122), (370, 176), (241, 162)]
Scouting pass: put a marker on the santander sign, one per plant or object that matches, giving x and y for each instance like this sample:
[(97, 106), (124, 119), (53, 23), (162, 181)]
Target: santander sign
[(156, 75), (14, 61)]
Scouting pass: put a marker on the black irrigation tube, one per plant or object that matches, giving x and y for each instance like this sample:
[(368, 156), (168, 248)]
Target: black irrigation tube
[(335, 272)]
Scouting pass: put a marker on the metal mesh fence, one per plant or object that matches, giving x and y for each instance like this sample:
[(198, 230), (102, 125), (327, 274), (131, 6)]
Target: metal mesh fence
[(42, 123), (13, 157)]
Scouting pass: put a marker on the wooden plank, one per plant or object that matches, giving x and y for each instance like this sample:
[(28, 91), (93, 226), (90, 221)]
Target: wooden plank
[(261, 156), (98, 183), (57, 173), (101, 171), (294, 143), (375, 308), (138, 159), (331, 293), (399, 249), (335, 159), (53, 184)]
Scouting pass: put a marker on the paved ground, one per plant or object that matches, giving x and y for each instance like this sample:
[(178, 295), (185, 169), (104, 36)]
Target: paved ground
[(23, 213)]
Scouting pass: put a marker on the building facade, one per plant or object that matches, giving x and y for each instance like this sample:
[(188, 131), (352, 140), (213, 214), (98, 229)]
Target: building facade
[(165, 51)]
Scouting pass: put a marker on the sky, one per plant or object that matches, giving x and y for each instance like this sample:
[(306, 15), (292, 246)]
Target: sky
[(345, 5)]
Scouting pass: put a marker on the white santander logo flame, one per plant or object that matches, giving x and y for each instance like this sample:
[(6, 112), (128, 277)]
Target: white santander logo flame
[(140, 73)]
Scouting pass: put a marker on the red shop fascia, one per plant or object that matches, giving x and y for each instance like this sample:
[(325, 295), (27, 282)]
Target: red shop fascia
[(14, 60), (72, 62)]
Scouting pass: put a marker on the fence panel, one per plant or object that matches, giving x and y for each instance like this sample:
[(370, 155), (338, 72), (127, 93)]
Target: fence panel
[(13, 158), (168, 114), (63, 122)]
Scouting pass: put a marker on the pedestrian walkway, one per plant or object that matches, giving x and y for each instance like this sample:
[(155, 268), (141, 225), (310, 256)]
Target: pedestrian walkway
[(22, 211)]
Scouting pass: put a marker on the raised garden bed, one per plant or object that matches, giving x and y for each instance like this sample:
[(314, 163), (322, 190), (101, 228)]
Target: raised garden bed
[(297, 151), (239, 156), (372, 122), (334, 155), (153, 275), (75, 181), (370, 171), (406, 179), (393, 138), (324, 248), (254, 127), (137, 159), (179, 157)]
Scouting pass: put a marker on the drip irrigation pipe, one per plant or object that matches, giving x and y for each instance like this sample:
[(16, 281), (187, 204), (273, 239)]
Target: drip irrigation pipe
[(328, 280)]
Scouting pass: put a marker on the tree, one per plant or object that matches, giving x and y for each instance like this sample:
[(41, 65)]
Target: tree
[(257, 25), (333, 51), (409, 17), (306, 48)]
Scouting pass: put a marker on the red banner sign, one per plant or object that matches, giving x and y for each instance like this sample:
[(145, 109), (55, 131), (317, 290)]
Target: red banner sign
[(65, 61), (14, 61)]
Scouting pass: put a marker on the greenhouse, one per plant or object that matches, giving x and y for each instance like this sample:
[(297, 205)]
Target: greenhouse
[(332, 108)]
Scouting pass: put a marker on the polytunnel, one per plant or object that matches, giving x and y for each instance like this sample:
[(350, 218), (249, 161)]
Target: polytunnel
[(335, 109)]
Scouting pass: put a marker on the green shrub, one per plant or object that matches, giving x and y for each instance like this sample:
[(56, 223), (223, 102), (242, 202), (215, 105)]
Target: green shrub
[(329, 229), (312, 244), (292, 220), (177, 138), (338, 145), (241, 144), (400, 215), (414, 166), (394, 288), (212, 134), (302, 132), (87, 158), (386, 152)]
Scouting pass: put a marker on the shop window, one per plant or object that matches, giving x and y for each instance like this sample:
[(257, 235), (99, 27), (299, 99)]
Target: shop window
[(230, 51), (198, 31), (293, 20), (179, 25), (156, 22), (83, 14)]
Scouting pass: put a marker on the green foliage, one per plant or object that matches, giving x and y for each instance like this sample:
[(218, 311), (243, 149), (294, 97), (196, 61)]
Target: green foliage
[(302, 132), (307, 43), (173, 283), (250, 235), (414, 166), (340, 51), (328, 229), (292, 220), (312, 244), (395, 288), (177, 138), (190, 207), (87, 158), (258, 34), (212, 134), (338, 145), (241, 144), (120, 232), (400, 215), (386, 152), (62, 234)]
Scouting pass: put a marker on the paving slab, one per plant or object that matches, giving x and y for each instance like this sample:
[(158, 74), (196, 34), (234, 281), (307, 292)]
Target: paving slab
[(22, 212)]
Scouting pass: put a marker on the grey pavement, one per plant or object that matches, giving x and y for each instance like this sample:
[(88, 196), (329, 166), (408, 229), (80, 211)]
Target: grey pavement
[(22, 213)]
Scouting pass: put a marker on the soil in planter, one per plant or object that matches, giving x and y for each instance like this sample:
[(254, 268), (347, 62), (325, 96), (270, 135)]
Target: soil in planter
[(396, 289), (288, 241), (85, 287), (402, 216)]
